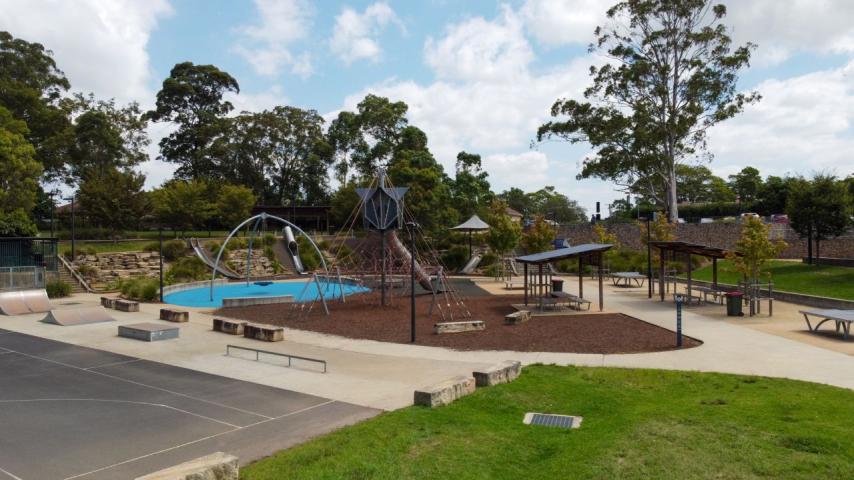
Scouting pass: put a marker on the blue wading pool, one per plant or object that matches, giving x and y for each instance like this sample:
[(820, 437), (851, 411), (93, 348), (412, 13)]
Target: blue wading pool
[(200, 297)]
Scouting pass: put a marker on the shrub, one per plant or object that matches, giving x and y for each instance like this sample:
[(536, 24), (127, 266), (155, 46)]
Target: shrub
[(237, 243), (87, 270), (488, 259), (57, 289), (142, 289), (174, 249), (187, 269), (151, 247), (213, 246), (492, 270), (455, 257), (268, 239), (307, 253)]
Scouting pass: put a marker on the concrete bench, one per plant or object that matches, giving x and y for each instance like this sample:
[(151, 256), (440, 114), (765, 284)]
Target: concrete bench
[(216, 466), (504, 372), (231, 327), (267, 333), (516, 318), (108, 302), (123, 305), (458, 327), (177, 316), (444, 393), (149, 332)]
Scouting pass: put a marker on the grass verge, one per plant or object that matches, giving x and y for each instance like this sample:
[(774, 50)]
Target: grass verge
[(637, 424)]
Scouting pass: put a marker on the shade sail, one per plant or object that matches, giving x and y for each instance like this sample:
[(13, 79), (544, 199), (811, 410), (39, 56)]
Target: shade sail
[(564, 253), (473, 224)]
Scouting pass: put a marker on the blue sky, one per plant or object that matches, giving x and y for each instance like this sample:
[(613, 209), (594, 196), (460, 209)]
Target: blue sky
[(478, 75)]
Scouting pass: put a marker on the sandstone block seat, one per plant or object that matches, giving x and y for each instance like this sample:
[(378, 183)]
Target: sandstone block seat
[(123, 305), (518, 317), (108, 302), (231, 327), (177, 316), (267, 333), (443, 393), (504, 372), (458, 327)]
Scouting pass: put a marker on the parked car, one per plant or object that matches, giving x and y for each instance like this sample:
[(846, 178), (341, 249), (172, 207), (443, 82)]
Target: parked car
[(746, 215), (780, 218), (707, 220)]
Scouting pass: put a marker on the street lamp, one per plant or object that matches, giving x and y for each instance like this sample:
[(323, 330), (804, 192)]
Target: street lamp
[(73, 231), (648, 256)]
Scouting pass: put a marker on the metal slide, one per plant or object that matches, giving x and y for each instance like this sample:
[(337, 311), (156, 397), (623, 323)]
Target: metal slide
[(203, 255), (420, 274), (473, 262), (20, 302), (293, 249)]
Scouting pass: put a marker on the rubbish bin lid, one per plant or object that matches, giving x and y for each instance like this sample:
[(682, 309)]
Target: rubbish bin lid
[(735, 294)]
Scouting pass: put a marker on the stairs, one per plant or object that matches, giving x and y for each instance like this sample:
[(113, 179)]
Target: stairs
[(66, 276)]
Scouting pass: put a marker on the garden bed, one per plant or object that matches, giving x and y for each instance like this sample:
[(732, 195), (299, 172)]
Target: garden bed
[(362, 317)]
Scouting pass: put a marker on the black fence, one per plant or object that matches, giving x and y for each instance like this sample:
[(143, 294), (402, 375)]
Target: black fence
[(29, 252)]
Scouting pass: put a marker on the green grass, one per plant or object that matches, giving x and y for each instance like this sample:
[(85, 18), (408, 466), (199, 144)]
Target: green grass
[(106, 247), (796, 277), (637, 424)]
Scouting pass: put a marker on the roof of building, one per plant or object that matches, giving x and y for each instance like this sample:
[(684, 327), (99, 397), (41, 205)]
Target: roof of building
[(512, 212), (564, 253)]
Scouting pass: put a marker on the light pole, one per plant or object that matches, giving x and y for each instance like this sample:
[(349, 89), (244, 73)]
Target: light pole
[(411, 226), (73, 232), (160, 238), (648, 256)]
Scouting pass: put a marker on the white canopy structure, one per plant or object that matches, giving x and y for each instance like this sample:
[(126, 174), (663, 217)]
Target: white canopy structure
[(473, 224)]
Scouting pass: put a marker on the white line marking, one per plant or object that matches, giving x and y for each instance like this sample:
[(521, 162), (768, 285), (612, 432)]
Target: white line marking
[(199, 440), (94, 372), (105, 400), (9, 474), (113, 364)]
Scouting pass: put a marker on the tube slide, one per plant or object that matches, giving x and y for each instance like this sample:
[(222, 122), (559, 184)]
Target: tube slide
[(203, 255), (293, 249), (420, 274), (473, 262)]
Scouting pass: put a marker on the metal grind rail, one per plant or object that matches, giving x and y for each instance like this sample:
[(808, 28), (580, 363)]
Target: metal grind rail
[(258, 353)]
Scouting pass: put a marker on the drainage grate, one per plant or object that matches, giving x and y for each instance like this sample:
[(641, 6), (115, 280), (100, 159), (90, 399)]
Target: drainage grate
[(550, 420)]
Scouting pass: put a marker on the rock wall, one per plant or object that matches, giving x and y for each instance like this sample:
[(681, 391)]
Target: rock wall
[(261, 265), (102, 269), (721, 235)]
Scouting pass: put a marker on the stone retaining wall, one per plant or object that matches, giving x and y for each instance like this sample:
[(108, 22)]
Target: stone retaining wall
[(721, 235), (102, 269)]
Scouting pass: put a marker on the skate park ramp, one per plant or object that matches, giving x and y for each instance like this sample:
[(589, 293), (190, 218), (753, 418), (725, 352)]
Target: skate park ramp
[(203, 256), (67, 317), (21, 302)]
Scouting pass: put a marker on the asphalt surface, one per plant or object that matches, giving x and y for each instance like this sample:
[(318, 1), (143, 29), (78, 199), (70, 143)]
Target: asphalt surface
[(74, 412)]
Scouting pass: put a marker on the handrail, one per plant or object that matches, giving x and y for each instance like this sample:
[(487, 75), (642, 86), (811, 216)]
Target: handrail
[(289, 356), (75, 274)]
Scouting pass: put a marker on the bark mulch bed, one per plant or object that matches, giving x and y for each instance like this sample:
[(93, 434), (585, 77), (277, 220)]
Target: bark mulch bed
[(363, 317)]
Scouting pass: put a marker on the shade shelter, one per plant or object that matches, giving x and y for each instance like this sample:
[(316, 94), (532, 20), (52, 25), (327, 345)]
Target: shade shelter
[(473, 224), (592, 252), (687, 249)]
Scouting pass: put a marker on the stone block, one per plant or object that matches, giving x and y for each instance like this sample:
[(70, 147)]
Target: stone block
[(458, 327), (231, 327), (216, 466), (123, 305), (504, 372), (267, 333), (177, 316), (516, 318), (443, 393), (108, 302)]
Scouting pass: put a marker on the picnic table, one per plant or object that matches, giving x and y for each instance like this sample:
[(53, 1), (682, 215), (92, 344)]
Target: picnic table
[(717, 294), (842, 318), (573, 301), (625, 279)]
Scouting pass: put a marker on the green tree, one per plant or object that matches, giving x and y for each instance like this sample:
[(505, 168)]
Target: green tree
[(32, 89), (697, 184), (113, 198), (192, 98), (556, 206), (234, 204), (470, 187), (504, 233), (747, 184), (517, 200), (539, 236), (342, 206), (19, 177), (182, 204), (819, 209), (673, 75), (755, 249), (773, 195)]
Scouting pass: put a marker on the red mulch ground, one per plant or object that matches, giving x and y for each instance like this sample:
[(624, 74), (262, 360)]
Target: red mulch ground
[(363, 317)]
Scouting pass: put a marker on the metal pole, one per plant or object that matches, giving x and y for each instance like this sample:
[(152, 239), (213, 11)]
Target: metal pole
[(648, 258), (678, 299), (160, 237), (412, 281), (382, 274), (73, 241)]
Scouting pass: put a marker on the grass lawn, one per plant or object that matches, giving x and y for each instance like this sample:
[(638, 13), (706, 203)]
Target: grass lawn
[(796, 277), (637, 424)]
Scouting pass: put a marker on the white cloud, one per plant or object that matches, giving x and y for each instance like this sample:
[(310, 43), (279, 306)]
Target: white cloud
[(802, 124), (101, 46), (561, 22), (479, 49), (355, 34), (256, 102), (267, 44)]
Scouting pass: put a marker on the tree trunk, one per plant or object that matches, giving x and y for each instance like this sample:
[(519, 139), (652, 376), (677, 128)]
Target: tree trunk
[(671, 196)]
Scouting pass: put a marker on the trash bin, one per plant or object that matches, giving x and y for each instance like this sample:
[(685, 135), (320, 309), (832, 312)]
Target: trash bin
[(733, 304), (557, 285)]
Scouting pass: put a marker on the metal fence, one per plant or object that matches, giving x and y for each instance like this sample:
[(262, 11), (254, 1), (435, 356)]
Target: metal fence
[(29, 252), (19, 278)]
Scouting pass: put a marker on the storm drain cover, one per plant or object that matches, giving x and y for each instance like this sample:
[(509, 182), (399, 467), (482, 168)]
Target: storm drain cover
[(551, 420)]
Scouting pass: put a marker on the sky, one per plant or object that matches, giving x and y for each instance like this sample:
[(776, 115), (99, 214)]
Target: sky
[(478, 75)]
